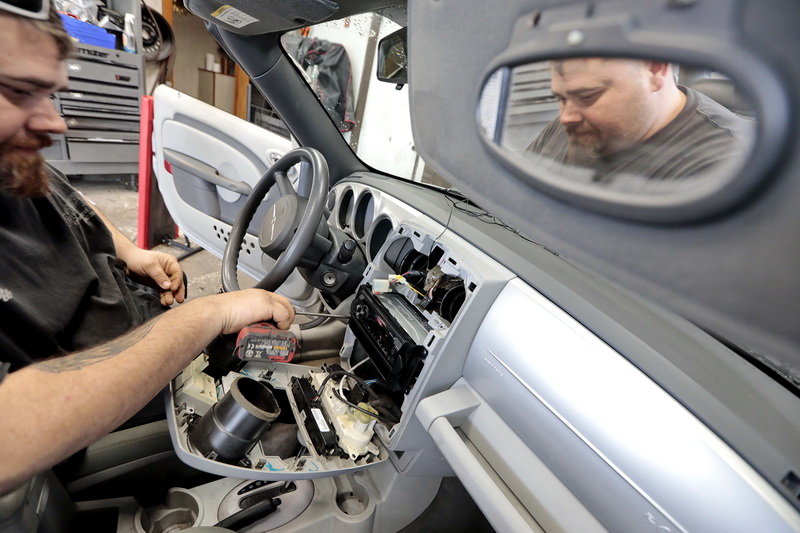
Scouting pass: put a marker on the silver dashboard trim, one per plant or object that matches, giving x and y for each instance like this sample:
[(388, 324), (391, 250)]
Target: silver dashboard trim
[(585, 440), (561, 380)]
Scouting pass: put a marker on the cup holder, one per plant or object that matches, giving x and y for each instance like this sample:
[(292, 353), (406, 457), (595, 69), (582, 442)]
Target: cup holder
[(181, 510), (352, 497)]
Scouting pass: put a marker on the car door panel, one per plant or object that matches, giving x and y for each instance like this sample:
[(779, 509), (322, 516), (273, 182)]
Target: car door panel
[(206, 163)]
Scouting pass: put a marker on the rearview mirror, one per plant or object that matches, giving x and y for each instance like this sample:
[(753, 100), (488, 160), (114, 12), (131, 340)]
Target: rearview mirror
[(393, 58)]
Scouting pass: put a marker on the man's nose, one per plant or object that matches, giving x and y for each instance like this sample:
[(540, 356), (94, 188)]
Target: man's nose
[(569, 114), (45, 118)]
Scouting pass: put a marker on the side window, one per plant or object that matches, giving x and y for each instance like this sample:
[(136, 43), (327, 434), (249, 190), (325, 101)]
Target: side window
[(260, 113)]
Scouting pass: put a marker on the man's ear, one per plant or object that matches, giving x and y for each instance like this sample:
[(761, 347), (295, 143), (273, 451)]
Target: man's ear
[(659, 72)]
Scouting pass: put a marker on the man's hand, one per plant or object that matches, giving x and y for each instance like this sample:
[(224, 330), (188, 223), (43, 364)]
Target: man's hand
[(122, 374), (239, 309), (157, 269)]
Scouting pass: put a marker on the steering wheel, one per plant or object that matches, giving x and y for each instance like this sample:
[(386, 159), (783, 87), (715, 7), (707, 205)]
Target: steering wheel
[(290, 224)]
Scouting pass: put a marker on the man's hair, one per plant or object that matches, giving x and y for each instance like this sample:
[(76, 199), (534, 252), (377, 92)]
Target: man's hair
[(558, 64), (52, 27)]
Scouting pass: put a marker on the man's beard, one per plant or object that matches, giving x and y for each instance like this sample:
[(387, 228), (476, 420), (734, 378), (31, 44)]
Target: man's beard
[(23, 173), (583, 150)]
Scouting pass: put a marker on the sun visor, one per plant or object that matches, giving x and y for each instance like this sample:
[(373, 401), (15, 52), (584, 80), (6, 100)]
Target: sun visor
[(717, 244), (255, 17)]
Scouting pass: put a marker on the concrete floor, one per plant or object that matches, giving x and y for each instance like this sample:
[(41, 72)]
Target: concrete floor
[(117, 200)]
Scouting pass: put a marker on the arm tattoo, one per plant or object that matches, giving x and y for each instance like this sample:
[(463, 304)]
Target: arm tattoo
[(96, 354)]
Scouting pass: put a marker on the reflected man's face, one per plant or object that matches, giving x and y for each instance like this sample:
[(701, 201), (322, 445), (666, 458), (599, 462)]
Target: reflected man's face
[(606, 105)]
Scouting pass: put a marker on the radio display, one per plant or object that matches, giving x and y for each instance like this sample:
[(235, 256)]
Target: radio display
[(392, 332)]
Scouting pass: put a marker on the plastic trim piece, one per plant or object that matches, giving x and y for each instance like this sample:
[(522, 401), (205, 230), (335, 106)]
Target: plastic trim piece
[(486, 454), (204, 171), (591, 416), (110, 473), (498, 508), (457, 403)]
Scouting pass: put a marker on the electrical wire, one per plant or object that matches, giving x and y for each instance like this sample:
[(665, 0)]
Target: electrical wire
[(433, 287), (415, 290), (449, 215), (459, 202), (353, 368), (341, 397), (344, 373), (406, 283), (357, 408), (341, 385)]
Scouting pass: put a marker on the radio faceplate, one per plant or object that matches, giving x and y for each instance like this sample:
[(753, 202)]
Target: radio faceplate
[(392, 331)]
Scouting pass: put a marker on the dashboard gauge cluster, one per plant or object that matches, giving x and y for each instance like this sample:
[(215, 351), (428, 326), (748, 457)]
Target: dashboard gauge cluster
[(422, 270), (357, 212)]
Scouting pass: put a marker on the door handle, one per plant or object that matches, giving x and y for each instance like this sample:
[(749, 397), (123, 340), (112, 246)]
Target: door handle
[(205, 171)]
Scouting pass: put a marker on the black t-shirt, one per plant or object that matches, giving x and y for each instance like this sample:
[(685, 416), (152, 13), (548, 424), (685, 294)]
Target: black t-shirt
[(60, 290)]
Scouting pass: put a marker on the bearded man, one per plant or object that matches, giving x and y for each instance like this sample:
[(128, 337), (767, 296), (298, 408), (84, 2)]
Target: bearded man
[(63, 288), (64, 274), (628, 116)]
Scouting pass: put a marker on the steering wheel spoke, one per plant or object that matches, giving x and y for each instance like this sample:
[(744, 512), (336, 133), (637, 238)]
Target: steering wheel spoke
[(290, 224), (284, 183)]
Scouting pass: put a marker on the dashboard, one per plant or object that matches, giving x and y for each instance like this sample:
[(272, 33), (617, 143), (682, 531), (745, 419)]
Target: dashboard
[(419, 285), (453, 363)]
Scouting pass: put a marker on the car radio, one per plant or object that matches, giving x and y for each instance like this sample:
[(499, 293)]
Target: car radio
[(392, 332)]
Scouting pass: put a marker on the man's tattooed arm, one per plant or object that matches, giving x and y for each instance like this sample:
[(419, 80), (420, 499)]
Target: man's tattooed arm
[(96, 354)]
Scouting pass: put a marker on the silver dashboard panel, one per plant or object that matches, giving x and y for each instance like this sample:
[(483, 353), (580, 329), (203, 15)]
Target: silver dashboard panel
[(637, 459)]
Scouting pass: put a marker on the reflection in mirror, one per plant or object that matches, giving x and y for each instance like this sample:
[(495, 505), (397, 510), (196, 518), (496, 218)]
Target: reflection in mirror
[(627, 125), (392, 58)]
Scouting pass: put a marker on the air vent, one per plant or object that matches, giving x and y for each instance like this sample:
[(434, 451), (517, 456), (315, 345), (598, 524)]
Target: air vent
[(379, 233), (452, 300), (396, 252)]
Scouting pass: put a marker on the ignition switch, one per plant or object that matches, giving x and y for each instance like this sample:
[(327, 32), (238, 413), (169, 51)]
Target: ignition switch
[(329, 279)]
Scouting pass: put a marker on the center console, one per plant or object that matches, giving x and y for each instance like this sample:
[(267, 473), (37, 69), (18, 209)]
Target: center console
[(269, 419), (272, 420)]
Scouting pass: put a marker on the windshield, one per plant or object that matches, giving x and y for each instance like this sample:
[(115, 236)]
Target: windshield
[(339, 61)]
